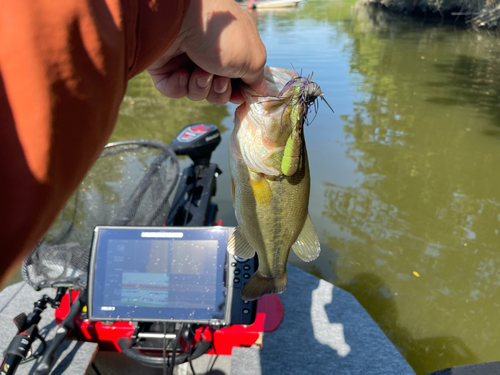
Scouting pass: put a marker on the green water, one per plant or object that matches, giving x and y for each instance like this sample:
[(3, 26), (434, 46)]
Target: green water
[(405, 173)]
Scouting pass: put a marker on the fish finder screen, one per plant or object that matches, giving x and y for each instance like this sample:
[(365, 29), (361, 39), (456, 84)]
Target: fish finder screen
[(158, 274)]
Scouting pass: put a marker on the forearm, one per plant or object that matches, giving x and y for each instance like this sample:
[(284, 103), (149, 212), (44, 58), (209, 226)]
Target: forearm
[(64, 67)]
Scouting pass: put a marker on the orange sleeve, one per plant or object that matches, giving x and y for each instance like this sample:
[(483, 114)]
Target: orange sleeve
[(64, 67)]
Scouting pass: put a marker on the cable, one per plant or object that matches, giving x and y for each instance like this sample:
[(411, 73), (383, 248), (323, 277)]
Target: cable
[(188, 335), (125, 343), (191, 366), (94, 367), (215, 353), (36, 355), (213, 363), (174, 350), (190, 358), (164, 351)]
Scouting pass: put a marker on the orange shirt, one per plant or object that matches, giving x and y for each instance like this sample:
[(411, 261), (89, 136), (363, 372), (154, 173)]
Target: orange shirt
[(64, 67)]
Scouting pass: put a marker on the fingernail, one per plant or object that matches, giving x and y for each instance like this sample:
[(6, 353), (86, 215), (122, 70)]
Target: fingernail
[(220, 85), (183, 80), (203, 82)]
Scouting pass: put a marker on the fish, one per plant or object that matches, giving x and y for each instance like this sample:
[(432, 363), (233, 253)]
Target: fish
[(270, 179)]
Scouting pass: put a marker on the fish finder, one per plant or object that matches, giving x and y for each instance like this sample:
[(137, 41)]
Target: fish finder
[(174, 274)]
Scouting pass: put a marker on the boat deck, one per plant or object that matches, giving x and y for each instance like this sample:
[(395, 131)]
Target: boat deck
[(324, 331)]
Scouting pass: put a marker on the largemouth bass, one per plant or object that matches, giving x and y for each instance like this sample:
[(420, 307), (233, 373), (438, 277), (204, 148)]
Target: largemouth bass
[(270, 179)]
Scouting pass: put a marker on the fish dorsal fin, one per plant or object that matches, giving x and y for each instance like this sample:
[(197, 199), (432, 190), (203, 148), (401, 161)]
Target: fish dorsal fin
[(307, 245), (239, 246)]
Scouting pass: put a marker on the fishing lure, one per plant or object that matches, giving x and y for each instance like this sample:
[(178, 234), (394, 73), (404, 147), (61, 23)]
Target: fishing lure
[(308, 92), (303, 96), (311, 92), (299, 96)]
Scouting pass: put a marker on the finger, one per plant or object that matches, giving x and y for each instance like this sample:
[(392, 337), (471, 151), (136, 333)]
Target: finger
[(199, 84), (171, 64), (173, 85), (236, 95), (171, 77), (256, 78), (260, 87), (220, 92)]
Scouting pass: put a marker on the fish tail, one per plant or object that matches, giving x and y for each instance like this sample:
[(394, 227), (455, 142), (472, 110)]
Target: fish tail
[(258, 285)]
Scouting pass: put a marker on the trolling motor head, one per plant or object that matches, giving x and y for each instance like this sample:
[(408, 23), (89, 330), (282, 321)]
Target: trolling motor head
[(197, 141)]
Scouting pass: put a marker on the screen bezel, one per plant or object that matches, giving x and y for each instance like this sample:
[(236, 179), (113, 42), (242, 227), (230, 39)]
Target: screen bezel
[(222, 234)]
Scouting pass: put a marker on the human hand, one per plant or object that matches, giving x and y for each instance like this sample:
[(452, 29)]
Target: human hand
[(218, 43)]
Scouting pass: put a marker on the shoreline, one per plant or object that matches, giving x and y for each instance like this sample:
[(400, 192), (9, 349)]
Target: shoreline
[(481, 15)]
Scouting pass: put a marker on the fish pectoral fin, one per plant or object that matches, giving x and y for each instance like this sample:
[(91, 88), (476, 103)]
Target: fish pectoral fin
[(307, 245), (239, 246)]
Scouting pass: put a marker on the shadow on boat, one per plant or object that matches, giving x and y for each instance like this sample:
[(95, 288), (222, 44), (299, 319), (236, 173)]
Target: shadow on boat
[(324, 331)]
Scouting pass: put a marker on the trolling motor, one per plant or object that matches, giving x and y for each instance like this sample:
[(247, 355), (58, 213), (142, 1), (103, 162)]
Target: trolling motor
[(198, 141), (198, 182)]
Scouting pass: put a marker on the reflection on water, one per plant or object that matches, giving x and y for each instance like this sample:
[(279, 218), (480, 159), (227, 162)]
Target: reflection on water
[(410, 209), (432, 349), (428, 200), (145, 113), (475, 80), (405, 182)]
